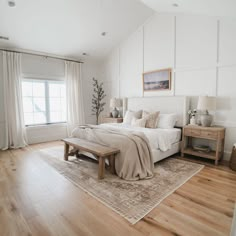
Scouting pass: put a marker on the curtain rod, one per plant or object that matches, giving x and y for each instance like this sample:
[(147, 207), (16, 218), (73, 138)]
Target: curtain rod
[(34, 54)]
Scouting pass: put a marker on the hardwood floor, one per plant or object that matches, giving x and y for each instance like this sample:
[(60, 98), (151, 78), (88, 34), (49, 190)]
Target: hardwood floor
[(36, 200)]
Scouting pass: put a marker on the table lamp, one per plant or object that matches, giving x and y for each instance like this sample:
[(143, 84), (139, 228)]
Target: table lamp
[(206, 104), (114, 103)]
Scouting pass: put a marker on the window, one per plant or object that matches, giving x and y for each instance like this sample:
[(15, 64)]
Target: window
[(44, 101)]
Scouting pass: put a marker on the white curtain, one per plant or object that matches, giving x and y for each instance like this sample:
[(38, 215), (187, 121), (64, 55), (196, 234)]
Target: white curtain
[(74, 95), (15, 136)]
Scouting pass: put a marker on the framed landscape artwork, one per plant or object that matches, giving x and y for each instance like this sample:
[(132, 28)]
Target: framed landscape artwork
[(157, 80)]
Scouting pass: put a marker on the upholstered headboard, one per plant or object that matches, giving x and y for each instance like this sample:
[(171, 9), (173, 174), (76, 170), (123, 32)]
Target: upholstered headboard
[(171, 104)]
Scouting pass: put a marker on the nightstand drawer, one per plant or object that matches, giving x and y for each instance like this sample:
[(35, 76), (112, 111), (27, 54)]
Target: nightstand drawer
[(112, 120), (192, 132), (196, 132), (209, 134), (188, 132), (108, 120)]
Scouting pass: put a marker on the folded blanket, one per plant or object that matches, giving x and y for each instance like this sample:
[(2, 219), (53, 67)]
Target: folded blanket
[(134, 162)]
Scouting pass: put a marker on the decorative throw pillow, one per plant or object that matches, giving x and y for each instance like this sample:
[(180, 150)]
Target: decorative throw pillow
[(138, 122), (152, 119), (167, 121), (129, 115)]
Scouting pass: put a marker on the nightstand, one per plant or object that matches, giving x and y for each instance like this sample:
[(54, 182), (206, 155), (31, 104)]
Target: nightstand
[(112, 120), (217, 134)]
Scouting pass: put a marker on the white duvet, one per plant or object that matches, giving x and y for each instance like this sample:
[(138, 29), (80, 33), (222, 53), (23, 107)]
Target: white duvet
[(158, 138)]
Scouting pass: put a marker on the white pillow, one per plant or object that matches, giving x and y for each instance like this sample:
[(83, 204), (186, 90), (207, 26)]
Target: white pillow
[(167, 121), (138, 122), (129, 115)]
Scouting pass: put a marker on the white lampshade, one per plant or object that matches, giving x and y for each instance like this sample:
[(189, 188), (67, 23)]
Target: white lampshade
[(115, 102), (206, 103)]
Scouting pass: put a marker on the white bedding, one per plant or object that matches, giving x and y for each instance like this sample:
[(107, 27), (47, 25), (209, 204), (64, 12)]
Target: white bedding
[(158, 138)]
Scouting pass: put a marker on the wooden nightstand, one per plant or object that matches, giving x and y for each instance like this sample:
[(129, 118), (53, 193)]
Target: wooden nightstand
[(216, 134), (112, 120)]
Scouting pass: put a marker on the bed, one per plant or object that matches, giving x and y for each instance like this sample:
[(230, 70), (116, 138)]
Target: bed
[(141, 147), (178, 105), (163, 142)]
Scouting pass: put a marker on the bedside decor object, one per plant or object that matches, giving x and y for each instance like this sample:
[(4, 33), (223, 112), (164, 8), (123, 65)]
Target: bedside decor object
[(232, 163), (98, 96), (157, 80), (114, 103), (206, 103), (201, 148), (193, 121), (216, 134), (192, 114), (121, 112)]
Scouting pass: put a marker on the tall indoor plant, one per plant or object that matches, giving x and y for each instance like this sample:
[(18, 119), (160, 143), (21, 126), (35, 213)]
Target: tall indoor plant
[(97, 100)]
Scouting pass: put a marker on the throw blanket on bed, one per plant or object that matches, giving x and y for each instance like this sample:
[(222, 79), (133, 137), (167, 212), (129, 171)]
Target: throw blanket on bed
[(134, 161), (157, 138)]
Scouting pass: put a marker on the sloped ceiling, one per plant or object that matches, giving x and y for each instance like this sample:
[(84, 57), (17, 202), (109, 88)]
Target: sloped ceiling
[(69, 27), (203, 7)]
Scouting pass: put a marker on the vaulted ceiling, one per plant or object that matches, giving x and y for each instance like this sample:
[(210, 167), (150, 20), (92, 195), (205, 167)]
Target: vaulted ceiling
[(69, 27), (73, 27)]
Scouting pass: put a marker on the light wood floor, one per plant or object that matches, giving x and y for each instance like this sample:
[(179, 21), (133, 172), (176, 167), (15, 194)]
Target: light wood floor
[(36, 200)]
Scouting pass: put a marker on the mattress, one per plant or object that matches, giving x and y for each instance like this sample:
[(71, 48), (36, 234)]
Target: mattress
[(161, 139), (158, 155)]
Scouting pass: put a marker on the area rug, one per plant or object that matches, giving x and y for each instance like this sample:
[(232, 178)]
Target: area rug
[(131, 199)]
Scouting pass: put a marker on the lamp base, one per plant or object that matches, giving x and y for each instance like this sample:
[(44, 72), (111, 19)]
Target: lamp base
[(115, 113), (206, 120)]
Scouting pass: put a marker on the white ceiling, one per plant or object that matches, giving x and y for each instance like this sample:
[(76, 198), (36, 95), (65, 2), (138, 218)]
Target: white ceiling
[(202, 7), (70, 27)]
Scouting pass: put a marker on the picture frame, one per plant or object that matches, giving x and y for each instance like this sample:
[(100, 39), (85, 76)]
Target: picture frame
[(157, 80)]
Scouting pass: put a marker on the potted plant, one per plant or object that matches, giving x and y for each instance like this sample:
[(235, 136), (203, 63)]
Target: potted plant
[(192, 114), (98, 96)]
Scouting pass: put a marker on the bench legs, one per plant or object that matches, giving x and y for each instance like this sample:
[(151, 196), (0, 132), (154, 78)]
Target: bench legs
[(101, 167), (112, 164), (73, 152), (66, 151)]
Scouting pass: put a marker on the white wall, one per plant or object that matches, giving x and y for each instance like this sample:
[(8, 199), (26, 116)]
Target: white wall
[(108, 74), (41, 67), (202, 52)]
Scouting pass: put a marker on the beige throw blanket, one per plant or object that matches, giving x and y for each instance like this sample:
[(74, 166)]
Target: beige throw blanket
[(134, 161)]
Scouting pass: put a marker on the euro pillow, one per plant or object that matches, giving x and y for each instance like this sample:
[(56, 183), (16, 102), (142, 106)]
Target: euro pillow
[(167, 121), (151, 119), (129, 115), (138, 122)]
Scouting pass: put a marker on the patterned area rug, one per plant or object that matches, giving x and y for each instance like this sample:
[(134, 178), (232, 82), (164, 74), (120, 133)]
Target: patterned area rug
[(131, 199)]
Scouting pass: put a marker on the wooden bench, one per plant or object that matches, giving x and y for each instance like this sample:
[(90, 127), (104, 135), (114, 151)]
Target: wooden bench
[(99, 151)]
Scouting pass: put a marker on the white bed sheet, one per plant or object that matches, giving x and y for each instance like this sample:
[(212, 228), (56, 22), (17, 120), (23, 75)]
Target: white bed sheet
[(161, 139)]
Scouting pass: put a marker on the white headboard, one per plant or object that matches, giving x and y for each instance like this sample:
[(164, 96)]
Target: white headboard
[(171, 104)]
